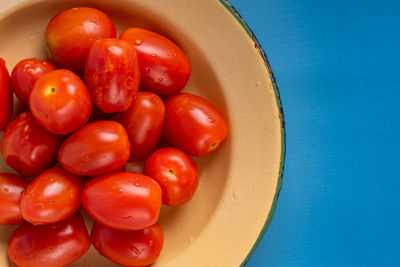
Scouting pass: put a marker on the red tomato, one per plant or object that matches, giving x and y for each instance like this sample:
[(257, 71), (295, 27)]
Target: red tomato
[(11, 189), (133, 248), (112, 74), (50, 245), (51, 197), (6, 96), (123, 200), (143, 122), (175, 172), (70, 34), (60, 102), (164, 68), (27, 147), (193, 124), (97, 148), (25, 74)]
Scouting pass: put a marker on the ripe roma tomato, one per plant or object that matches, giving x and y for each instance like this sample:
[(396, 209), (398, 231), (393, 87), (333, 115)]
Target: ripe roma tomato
[(6, 96), (97, 148), (50, 245), (25, 74), (164, 68), (193, 124), (175, 172), (51, 197), (60, 102), (70, 34), (112, 74), (143, 122), (123, 200), (132, 248), (27, 147), (11, 189)]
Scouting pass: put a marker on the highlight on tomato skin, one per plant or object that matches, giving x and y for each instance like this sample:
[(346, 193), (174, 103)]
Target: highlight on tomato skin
[(128, 248), (51, 197), (97, 148), (24, 75), (28, 148), (143, 122), (175, 172), (164, 67), (50, 245), (60, 102), (11, 189), (123, 200), (71, 32), (6, 95), (112, 74), (193, 124)]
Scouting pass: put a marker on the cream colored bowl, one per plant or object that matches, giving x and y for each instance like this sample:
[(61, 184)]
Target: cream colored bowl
[(239, 184)]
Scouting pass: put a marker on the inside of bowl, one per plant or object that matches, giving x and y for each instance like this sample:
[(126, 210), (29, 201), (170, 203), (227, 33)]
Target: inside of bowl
[(23, 31), (238, 183)]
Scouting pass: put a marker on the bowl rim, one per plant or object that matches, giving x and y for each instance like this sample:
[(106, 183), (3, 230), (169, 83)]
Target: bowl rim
[(261, 51)]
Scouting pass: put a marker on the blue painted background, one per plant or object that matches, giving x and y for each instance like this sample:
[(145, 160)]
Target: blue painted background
[(337, 65)]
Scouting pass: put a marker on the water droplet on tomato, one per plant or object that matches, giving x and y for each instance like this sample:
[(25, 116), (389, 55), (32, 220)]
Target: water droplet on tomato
[(161, 79), (154, 55), (5, 189), (138, 42), (136, 184), (147, 69), (119, 189)]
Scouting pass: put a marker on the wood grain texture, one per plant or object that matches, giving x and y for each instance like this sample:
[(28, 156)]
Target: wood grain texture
[(337, 67)]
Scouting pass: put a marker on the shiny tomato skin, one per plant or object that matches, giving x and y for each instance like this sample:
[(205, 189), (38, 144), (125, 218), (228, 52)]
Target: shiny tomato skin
[(25, 74), (143, 122), (123, 200), (60, 102), (11, 189), (27, 147), (175, 172), (193, 124), (128, 248), (164, 67), (97, 148), (71, 32), (6, 96), (50, 245), (51, 197), (112, 74)]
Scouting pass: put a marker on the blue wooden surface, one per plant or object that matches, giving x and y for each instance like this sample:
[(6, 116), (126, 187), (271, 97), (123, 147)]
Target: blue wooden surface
[(337, 65)]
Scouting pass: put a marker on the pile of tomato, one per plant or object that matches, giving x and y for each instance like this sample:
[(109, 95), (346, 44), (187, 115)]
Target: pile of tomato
[(103, 101)]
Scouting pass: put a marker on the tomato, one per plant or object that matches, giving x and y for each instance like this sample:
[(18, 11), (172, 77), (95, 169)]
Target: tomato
[(97, 148), (164, 67), (133, 248), (193, 124), (60, 102), (27, 147), (6, 96), (11, 189), (175, 172), (112, 74), (123, 200), (143, 122), (51, 197), (25, 74), (50, 245), (71, 32), (98, 115)]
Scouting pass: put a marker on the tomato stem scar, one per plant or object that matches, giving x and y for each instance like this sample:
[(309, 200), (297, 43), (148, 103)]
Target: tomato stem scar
[(171, 172)]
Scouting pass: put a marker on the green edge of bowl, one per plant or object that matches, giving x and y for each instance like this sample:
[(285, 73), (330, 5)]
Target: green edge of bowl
[(250, 33)]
